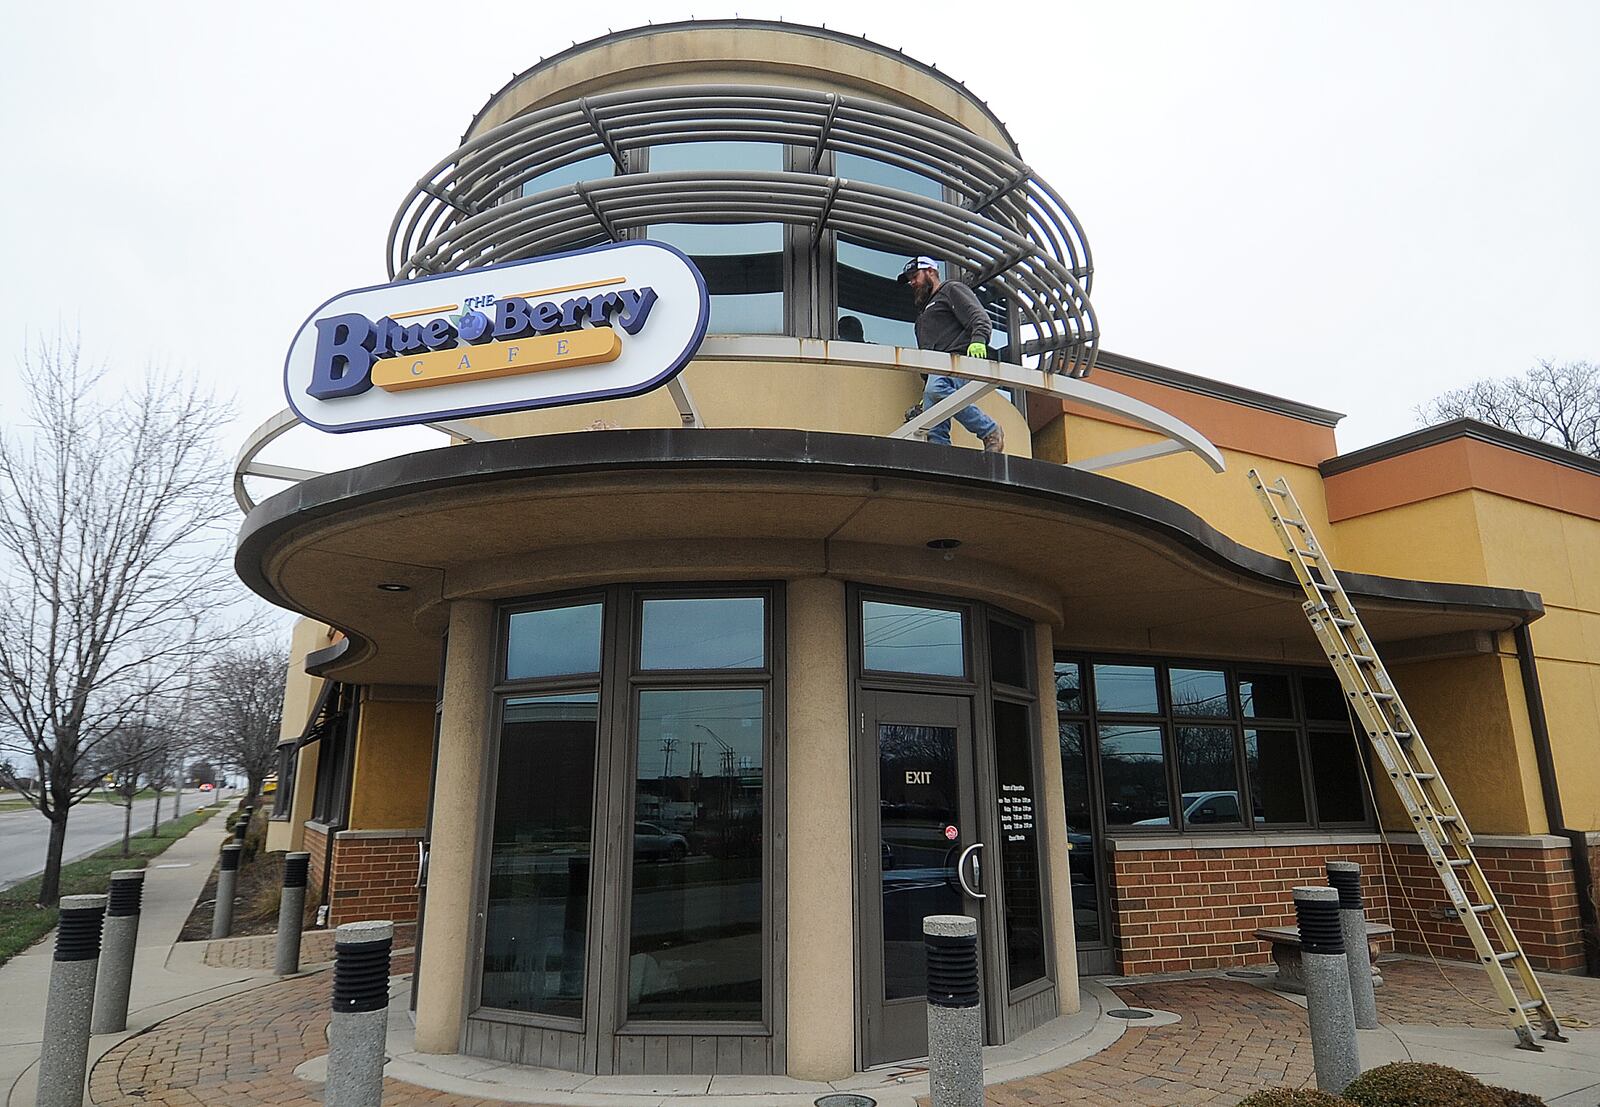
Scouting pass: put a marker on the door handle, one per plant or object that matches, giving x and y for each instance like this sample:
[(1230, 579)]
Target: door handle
[(961, 870), (422, 865)]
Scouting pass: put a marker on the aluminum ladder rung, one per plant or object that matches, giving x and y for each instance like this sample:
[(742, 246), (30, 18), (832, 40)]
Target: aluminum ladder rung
[(1408, 764)]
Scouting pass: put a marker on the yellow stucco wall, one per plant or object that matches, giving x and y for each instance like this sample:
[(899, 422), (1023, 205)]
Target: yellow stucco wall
[(1477, 537), (394, 752), (1225, 500), (1472, 715), (843, 399), (300, 691)]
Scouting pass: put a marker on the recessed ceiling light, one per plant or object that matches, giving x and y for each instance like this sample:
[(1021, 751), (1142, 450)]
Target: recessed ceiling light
[(391, 586), (944, 544)]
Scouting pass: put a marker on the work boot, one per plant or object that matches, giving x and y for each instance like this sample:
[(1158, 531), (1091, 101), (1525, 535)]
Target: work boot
[(995, 441)]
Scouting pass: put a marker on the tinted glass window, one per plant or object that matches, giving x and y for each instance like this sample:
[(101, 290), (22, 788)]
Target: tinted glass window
[(1336, 778), (585, 169), (1019, 843), (743, 268), (999, 321), (1265, 696), (721, 632), (1324, 699), (1069, 688), (1008, 654), (1201, 692), (695, 947), (741, 262), (732, 157), (1272, 760), (1208, 775), (536, 927), (898, 638), (557, 641), (1133, 766), (871, 295), (1081, 860), (1127, 689), (857, 168)]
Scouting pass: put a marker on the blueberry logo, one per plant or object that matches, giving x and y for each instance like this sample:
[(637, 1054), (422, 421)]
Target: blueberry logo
[(473, 326)]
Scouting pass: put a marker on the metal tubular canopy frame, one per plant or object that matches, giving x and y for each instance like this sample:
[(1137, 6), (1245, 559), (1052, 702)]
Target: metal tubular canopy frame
[(1008, 229)]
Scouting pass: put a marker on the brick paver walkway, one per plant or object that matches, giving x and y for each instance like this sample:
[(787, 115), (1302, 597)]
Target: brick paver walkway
[(1233, 1038)]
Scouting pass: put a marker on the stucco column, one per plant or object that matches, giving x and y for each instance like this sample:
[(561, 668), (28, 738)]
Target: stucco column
[(457, 801), (821, 938), (1054, 821)]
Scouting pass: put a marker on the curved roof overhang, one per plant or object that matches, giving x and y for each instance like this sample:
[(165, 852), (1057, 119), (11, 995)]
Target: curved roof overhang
[(1118, 566)]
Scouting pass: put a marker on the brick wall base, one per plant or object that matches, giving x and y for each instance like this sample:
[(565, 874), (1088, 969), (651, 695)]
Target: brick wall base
[(1186, 909), (315, 843), (374, 876)]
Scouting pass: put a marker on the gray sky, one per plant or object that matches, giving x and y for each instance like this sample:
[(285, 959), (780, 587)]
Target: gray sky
[(1356, 205)]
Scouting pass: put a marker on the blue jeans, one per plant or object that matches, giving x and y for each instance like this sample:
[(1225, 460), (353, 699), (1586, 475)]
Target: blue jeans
[(971, 416)]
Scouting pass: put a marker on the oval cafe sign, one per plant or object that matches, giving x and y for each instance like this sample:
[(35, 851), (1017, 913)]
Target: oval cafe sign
[(612, 321)]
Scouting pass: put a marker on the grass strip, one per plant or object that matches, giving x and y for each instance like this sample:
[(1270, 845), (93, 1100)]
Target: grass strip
[(22, 922)]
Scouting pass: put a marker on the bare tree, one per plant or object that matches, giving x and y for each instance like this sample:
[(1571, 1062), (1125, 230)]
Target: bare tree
[(129, 759), (243, 689), (1559, 404), (111, 506)]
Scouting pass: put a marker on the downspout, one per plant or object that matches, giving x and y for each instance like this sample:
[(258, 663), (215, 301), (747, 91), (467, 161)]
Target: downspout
[(1582, 870)]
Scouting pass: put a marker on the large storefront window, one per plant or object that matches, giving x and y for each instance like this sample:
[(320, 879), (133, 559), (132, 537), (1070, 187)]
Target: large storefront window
[(695, 950), (536, 930), (1200, 748), (627, 867)]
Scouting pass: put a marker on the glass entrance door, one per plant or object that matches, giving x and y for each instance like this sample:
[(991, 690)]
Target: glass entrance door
[(920, 818)]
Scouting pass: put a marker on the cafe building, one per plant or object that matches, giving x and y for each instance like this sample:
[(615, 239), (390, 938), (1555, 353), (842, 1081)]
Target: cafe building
[(667, 717)]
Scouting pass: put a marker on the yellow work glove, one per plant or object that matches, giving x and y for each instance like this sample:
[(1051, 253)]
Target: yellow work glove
[(978, 349)]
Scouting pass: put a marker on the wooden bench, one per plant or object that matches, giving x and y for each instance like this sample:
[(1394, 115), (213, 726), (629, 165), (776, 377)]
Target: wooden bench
[(1285, 941)]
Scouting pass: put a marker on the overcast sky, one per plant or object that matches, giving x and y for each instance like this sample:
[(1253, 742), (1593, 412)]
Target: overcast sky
[(1353, 205)]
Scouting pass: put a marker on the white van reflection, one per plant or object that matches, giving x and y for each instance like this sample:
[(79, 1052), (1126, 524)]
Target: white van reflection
[(1200, 808)]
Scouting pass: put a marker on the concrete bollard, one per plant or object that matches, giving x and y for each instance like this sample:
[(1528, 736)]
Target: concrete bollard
[(291, 910), (360, 1022), (241, 826), (64, 1059), (955, 1018), (1345, 878), (1327, 973), (121, 936), (227, 880)]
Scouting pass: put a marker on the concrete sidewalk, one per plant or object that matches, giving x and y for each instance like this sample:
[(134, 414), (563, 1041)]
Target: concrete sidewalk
[(166, 980)]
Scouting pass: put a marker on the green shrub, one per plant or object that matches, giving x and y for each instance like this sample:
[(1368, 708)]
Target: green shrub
[(1293, 1097), (1408, 1084), (1512, 1098)]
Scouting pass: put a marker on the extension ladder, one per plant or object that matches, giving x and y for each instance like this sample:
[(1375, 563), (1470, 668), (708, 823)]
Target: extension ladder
[(1434, 815)]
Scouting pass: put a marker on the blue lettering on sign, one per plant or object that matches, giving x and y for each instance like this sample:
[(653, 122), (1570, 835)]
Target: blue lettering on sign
[(348, 345)]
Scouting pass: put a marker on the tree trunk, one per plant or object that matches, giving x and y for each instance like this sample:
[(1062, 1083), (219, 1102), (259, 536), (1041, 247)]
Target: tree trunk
[(177, 798), (155, 819), (50, 885), (127, 824)]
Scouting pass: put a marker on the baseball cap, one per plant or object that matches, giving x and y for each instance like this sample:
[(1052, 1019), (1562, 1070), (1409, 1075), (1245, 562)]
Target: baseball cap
[(918, 262)]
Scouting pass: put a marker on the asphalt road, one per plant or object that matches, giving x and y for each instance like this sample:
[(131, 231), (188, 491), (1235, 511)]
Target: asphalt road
[(25, 834)]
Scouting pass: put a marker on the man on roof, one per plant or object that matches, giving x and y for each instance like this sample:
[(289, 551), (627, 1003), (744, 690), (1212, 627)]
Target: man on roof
[(950, 319)]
